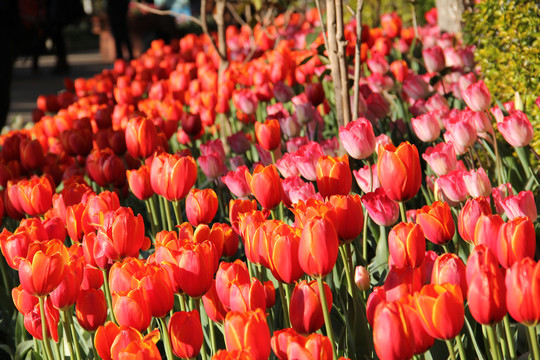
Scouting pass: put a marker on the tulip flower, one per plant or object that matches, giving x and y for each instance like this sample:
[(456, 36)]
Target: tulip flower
[(318, 248), (367, 178), (281, 339), (172, 176), (433, 59), (426, 127), (43, 268), (248, 331), (441, 310), (305, 310), (91, 309), (333, 176), (247, 296), (436, 222), (346, 207), (14, 247), (358, 138), (237, 207), (236, 182), (139, 182), (516, 129), (197, 266), (129, 343), (402, 282), (65, 295), (186, 334), (132, 308), (487, 231), (391, 24), (521, 204), (283, 254), (469, 215), (477, 96), (106, 168), (451, 187), (422, 340), (201, 206), (35, 195), (449, 268), (486, 295), (392, 332), (461, 132), (522, 291), (213, 306), (306, 159), (226, 275), (313, 347), (477, 183), (31, 154), (265, 185), (268, 134), (516, 240), (441, 158), (296, 189), (399, 171), (381, 209), (407, 245), (33, 322)]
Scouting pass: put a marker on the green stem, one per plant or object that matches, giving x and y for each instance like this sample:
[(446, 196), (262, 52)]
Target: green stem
[(67, 331), (177, 205), (182, 302), (364, 237), (346, 264), (94, 351), (326, 314), (479, 354), (524, 161), (498, 166), (212, 335), (56, 350), (509, 337), (495, 349), (167, 206), (531, 330), (402, 211), (69, 318), (151, 218), (284, 305), (108, 297), (499, 335), (196, 305), (462, 354), (450, 347), (5, 277), (46, 343), (164, 222), (166, 339)]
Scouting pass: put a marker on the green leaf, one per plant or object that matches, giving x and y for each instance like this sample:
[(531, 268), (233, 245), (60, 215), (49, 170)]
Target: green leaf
[(310, 38)]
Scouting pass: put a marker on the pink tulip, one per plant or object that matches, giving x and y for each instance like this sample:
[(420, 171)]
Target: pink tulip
[(441, 158), (477, 183), (426, 127), (358, 138), (521, 204), (365, 180), (380, 208), (477, 96), (236, 182), (433, 59), (516, 129), (451, 187)]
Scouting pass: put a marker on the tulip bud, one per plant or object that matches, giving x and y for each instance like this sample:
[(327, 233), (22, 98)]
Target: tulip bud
[(361, 278)]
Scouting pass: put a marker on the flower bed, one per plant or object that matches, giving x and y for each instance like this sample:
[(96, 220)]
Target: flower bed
[(306, 237)]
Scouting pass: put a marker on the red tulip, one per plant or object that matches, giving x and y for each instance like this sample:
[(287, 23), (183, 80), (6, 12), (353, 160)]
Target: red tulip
[(391, 24), (129, 343), (313, 347), (283, 254), (380, 208), (227, 274), (399, 171), (213, 306), (33, 322), (486, 295), (236, 182), (469, 215), (248, 331), (333, 175), (172, 176), (268, 134), (305, 309), (392, 332), (281, 340), (422, 340), (65, 295), (35, 195), (247, 296), (186, 334), (237, 207), (104, 338), (32, 155), (132, 308), (201, 206), (522, 291), (516, 240), (265, 185), (345, 208), (198, 264), (318, 248), (487, 231), (141, 137), (14, 247), (91, 309), (139, 182)]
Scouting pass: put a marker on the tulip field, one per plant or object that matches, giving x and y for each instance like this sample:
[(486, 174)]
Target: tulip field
[(305, 188)]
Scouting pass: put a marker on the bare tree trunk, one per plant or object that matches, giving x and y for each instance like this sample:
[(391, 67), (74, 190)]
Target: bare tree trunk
[(343, 68), (357, 58), (452, 10), (331, 25)]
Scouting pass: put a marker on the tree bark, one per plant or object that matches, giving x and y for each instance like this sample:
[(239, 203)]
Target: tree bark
[(450, 14)]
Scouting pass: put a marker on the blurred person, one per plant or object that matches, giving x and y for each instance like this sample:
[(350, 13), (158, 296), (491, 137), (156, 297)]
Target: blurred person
[(117, 11)]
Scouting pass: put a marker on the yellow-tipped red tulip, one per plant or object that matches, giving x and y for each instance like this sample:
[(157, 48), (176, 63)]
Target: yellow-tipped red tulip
[(399, 171)]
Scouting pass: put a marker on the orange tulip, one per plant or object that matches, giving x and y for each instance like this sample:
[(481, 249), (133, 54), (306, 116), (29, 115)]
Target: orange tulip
[(237, 207), (313, 347), (247, 296), (392, 332), (334, 176), (43, 268), (283, 254), (213, 306), (186, 334), (436, 222), (305, 309), (14, 247), (268, 134), (265, 185), (104, 338), (422, 340), (399, 171), (468, 217), (523, 292), (197, 265), (441, 310), (172, 176), (282, 338), (407, 245), (33, 322), (486, 295), (318, 248), (248, 331), (201, 206), (129, 344), (91, 309), (66, 293), (233, 355), (227, 274)]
